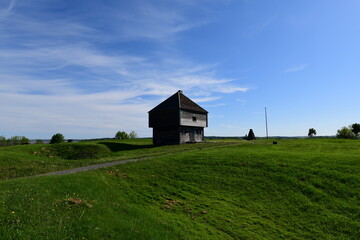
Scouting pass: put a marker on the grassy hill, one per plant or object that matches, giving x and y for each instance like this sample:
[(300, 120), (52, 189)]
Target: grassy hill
[(29, 160), (298, 189)]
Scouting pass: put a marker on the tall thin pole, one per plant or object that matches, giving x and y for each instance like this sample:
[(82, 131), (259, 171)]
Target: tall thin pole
[(267, 135)]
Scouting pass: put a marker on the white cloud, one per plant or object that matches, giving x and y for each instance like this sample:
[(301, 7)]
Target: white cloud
[(72, 114), (231, 89), (214, 105), (63, 74), (296, 68), (208, 99)]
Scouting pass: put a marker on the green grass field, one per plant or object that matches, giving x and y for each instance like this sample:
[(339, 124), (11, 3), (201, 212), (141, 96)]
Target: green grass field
[(297, 189), (29, 160)]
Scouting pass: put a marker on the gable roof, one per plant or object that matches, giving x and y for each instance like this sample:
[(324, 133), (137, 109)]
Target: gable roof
[(176, 102)]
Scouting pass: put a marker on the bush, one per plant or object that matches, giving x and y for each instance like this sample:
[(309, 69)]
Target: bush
[(133, 134), (15, 140), (345, 132), (24, 140), (76, 151), (57, 138), (121, 135), (3, 141)]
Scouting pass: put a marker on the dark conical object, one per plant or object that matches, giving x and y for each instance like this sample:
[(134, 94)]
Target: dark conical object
[(251, 135)]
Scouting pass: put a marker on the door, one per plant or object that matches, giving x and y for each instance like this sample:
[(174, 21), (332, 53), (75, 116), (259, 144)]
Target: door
[(192, 136)]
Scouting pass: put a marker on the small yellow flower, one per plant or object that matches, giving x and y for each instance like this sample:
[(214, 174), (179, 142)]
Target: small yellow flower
[(12, 212)]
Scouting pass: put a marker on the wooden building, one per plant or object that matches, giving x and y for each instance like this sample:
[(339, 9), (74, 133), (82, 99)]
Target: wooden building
[(178, 120)]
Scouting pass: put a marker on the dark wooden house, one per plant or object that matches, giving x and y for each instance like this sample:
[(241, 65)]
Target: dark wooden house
[(178, 120)]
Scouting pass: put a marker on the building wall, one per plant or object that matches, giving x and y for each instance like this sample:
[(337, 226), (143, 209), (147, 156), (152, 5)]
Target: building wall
[(164, 119), (177, 127), (177, 135), (166, 135), (188, 118), (191, 134)]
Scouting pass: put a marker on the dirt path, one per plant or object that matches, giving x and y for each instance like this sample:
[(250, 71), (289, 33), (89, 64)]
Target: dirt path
[(107, 164), (92, 167)]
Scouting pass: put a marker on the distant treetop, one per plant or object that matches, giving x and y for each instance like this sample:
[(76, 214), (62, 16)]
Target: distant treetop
[(311, 132)]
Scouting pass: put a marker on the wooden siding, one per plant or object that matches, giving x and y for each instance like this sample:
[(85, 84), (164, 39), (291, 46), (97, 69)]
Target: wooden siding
[(166, 135), (191, 134), (188, 118), (164, 119)]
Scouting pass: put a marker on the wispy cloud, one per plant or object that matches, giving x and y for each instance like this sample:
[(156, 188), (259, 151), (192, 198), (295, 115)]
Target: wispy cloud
[(258, 27), (63, 72), (297, 68), (6, 7), (241, 101), (209, 99), (215, 105), (152, 21)]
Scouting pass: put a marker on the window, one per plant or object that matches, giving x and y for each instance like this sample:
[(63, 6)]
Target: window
[(194, 119)]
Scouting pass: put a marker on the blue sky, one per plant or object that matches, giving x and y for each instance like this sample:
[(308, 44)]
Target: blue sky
[(90, 68)]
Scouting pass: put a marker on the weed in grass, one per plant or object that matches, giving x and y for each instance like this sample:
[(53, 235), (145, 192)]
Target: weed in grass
[(70, 202)]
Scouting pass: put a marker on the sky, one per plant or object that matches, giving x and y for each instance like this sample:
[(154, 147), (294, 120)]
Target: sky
[(88, 69)]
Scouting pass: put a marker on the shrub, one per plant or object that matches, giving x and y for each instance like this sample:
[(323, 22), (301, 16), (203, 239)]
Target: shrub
[(39, 141), (57, 138), (3, 141), (133, 134), (24, 140), (76, 151), (15, 140), (345, 132), (121, 135)]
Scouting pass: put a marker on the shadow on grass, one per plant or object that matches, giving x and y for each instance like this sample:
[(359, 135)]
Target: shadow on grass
[(116, 147)]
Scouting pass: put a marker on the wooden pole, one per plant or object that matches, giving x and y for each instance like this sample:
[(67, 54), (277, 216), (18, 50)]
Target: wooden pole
[(267, 135)]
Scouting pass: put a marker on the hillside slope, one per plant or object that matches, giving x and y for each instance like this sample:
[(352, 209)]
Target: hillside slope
[(298, 189)]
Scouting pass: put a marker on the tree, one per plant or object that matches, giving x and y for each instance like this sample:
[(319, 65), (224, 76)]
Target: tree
[(121, 135), (57, 138), (355, 128), (133, 134), (24, 140), (345, 132), (15, 140), (3, 141), (312, 132)]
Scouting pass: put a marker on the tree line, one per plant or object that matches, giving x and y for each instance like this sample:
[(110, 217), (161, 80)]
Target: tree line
[(56, 138), (120, 135), (350, 132), (15, 140)]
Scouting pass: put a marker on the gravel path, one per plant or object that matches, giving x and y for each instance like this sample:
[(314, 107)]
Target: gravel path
[(107, 164), (92, 167)]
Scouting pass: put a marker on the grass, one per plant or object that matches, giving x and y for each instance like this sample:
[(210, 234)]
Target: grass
[(298, 189), (29, 160)]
